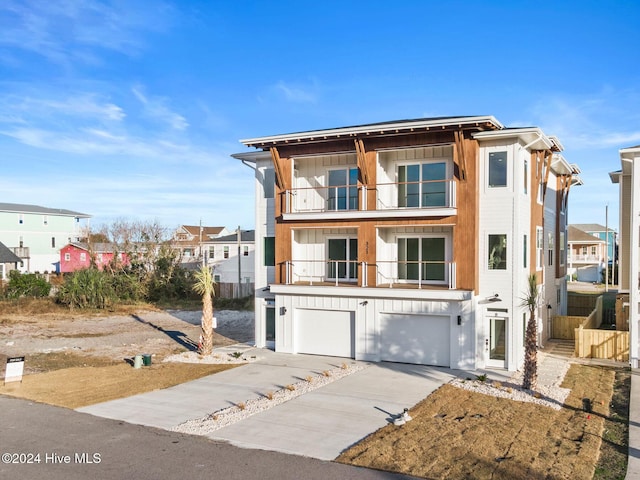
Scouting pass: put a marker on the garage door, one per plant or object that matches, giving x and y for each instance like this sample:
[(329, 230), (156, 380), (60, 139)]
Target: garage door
[(415, 339), (325, 332)]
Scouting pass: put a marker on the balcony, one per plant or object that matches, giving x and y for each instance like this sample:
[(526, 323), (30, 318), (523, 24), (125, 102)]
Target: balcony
[(389, 274), (584, 259), (399, 199), (22, 252)]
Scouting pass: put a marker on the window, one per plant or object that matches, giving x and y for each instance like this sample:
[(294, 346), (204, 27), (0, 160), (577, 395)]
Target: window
[(21, 242), (525, 248), (245, 250), (594, 251), (226, 251), (551, 248), (539, 247), (343, 258), (186, 252), (562, 248), (45, 220), (422, 259), (212, 252), (526, 176), (67, 257), (53, 242), (216, 278), (422, 185), (343, 189), (497, 252), (269, 251), (83, 257), (558, 296), (246, 280), (269, 182), (497, 169), (584, 251), (20, 218)]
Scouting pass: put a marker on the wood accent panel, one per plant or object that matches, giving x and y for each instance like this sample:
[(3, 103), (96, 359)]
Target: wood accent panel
[(537, 212), (466, 231), (547, 164), (277, 166), (362, 161), (282, 250), (459, 157)]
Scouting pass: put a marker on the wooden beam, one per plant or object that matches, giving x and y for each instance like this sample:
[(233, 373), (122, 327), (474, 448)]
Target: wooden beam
[(548, 155), (461, 159), (362, 161), (277, 165)]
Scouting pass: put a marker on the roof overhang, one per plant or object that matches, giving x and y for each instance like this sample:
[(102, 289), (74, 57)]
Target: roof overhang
[(376, 129), (253, 156), (627, 156), (532, 137)]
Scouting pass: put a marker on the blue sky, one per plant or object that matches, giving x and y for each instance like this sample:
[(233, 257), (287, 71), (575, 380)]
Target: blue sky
[(131, 109)]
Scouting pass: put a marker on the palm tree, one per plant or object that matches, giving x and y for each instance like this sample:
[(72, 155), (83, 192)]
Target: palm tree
[(204, 286), (531, 300)]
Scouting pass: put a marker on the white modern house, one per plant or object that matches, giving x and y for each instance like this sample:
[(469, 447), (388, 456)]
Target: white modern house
[(36, 234), (409, 241), (628, 179)]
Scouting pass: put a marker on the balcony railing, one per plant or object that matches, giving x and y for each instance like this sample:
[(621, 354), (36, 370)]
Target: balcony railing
[(584, 258), (22, 252), (422, 274), (423, 195), (391, 274), (325, 199), (324, 271), (433, 194)]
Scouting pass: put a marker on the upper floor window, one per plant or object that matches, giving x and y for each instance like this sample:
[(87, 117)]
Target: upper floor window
[(539, 248), (45, 220), (269, 251), (498, 252), (422, 185), (562, 248), (268, 183), (53, 242), (20, 218), (526, 176), (212, 252), (551, 249), (343, 189), (594, 250), (67, 257), (497, 169), (245, 250), (343, 258), (525, 249), (83, 256), (226, 251), (422, 259)]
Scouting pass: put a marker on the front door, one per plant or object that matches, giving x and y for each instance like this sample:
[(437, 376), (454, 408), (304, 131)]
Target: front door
[(496, 341), (270, 324)]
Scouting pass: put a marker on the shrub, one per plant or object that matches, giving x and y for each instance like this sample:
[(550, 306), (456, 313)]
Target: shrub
[(27, 285), (87, 288)]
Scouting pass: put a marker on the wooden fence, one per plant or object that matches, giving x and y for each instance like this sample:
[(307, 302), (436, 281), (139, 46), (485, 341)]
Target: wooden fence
[(590, 342), (608, 344), (230, 290)]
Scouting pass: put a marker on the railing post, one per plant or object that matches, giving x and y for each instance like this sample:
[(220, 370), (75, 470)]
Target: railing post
[(287, 273)]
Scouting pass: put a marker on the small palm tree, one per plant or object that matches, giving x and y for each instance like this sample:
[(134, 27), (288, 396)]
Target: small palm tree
[(531, 301), (204, 286)]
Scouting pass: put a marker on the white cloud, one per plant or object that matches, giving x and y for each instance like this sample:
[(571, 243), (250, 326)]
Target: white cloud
[(156, 108), (296, 94)]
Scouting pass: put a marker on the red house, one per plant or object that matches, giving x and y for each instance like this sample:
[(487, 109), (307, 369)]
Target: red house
[(76, 256)]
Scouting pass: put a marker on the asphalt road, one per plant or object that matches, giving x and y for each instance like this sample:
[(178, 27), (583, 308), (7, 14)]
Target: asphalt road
[(41, 441)]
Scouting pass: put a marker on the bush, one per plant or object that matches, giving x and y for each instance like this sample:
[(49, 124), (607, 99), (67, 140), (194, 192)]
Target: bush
[(26, 285)]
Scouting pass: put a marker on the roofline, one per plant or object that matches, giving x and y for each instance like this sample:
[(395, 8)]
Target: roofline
[(547, 141), (629, 153), (371, 128), (253, 156)]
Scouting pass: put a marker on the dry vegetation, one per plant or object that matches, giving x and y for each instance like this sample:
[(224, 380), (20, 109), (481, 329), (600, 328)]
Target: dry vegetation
[(81, 386), (460, 434)]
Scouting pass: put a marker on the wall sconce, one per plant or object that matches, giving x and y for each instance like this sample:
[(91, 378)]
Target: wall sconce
[(459, 319), (549, 307), (364, 303), (283, 310)]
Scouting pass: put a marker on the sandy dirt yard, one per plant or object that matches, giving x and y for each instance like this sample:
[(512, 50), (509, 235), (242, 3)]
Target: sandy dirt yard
[(116, 337)]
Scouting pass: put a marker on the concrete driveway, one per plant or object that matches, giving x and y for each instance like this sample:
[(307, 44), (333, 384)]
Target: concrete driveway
[(319, 424)]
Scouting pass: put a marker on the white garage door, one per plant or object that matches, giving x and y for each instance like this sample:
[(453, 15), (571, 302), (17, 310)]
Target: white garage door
[(325, 332), (418, 339)]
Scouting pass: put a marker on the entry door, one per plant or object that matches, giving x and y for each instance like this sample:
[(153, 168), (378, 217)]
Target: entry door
[(270, 324), (496, 341)]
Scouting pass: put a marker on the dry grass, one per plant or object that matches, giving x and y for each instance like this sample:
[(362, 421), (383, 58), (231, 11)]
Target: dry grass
[(460, 434), (81, 386)]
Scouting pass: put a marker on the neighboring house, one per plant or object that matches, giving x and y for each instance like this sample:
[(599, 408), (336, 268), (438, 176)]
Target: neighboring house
[(36, 234), (8, 261), (76, 255), (629, 243), (409, 241), (222, 253), (607, 234), (188, 240), (586, 256)]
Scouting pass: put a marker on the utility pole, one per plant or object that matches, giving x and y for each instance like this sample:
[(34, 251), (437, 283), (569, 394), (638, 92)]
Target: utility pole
[(606, 248), (239, 262)]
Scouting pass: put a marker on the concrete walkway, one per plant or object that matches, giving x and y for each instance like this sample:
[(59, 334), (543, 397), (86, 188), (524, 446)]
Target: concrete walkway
[(318, 424)]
